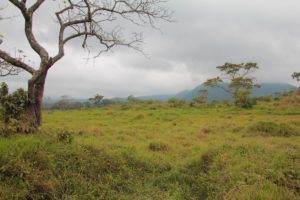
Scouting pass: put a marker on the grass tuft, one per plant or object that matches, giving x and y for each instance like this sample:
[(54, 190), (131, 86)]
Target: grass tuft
[(273, 129), (158, 146)]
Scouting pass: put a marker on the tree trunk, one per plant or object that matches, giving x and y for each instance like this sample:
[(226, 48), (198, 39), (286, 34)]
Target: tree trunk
[(35, 94)]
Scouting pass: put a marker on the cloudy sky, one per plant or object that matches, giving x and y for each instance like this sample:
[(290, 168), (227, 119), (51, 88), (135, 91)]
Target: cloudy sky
[(207, 33)]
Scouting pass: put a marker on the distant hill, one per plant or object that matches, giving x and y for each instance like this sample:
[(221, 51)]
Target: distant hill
[(219, 94), (213, 93)]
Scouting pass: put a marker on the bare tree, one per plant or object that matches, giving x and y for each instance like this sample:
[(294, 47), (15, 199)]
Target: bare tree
[(84, 19)]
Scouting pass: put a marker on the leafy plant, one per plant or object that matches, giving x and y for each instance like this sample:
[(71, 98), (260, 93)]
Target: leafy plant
[(65, 136), (13, 109)]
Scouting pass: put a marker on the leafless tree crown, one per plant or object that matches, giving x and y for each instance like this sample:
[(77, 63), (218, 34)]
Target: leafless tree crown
[(88, 20)]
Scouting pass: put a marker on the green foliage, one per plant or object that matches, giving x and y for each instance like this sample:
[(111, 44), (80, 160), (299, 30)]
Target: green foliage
[(13, 108), (12, 105), (199, 100), (240, 85), (176, 103), (296, 75), (65, 136), (273, 129), (96, 100), (243, 99)]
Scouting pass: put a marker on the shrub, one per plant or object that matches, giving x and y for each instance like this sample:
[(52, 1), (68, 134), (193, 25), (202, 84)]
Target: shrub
[(65, 137), (243, 99), (13, 110), (198, 101), (176, 103), (273, 129)]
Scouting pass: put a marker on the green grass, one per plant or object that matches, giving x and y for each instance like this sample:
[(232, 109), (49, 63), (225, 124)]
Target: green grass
[(156, 152)]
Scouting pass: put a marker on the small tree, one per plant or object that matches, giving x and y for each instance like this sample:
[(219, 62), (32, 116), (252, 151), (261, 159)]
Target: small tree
[(200, 99), (240, 83), (96, 100)]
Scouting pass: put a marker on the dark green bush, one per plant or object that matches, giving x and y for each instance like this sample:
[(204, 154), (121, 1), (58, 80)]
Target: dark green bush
[(13, 110)]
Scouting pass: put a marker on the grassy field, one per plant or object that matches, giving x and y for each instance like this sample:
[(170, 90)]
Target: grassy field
[(156, 152)]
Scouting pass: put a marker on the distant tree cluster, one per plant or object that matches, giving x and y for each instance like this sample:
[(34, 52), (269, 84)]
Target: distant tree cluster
[(68, 103)]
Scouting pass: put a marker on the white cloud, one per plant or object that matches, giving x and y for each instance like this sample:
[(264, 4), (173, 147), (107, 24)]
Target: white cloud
[(207, 34)]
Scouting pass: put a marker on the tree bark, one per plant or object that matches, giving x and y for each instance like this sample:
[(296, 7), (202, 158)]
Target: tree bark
[(36, 87)]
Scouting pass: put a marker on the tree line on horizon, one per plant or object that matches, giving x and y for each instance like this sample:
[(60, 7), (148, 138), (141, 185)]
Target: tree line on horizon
[(14, 115)]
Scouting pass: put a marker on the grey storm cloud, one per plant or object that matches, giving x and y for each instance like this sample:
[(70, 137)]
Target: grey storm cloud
[(205, 34)]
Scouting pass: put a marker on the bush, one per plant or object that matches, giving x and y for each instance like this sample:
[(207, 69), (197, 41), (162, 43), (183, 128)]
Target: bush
[(198, 101), (176, 103), (243, 99), (273, 129), (13, 109), (65, 137)]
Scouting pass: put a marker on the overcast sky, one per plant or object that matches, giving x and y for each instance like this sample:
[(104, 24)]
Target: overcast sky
[(207, 33)]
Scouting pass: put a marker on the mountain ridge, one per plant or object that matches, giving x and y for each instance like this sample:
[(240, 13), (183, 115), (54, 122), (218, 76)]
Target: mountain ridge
[(219, 94)]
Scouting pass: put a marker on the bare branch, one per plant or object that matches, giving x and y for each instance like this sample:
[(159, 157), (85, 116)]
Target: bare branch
[(7, 69), (86, 19), (14, 62), (35, 6)]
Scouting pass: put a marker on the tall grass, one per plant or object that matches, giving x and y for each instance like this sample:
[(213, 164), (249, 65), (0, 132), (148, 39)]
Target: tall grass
[(162, 153)]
